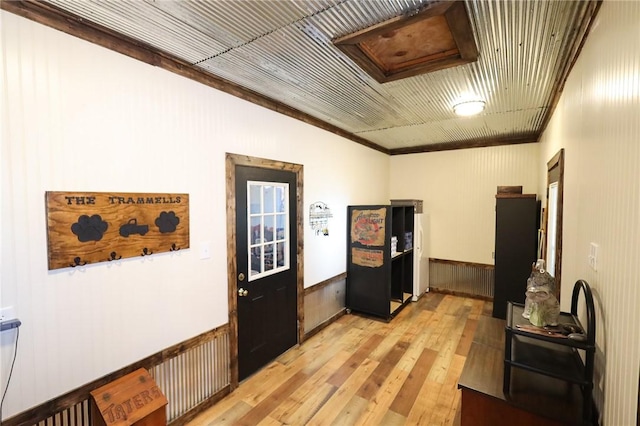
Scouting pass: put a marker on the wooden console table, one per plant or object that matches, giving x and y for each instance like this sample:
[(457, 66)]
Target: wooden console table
[(533, 399)]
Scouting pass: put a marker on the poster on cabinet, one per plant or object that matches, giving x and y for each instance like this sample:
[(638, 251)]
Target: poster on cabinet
[(367, 258), (367, 227)]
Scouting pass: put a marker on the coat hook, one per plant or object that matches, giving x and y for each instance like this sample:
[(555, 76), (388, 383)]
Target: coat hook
[(174, 248), (77, 261), (114, 256), (146, 252)]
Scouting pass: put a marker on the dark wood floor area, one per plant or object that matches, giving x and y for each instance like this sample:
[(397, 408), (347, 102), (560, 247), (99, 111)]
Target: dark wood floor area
[(362, 371)]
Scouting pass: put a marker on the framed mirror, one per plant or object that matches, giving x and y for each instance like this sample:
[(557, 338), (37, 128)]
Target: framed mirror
[(553, 229)]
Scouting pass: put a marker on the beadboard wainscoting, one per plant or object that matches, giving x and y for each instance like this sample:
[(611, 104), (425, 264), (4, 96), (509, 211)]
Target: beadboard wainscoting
[(324, 303), (193, 375)]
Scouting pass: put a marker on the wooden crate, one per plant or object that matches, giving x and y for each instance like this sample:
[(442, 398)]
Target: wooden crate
[(134, 399)]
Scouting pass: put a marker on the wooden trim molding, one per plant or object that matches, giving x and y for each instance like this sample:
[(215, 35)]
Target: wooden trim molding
[(461, 294), (507, 195), (555, 173), (233, 160), (476, 143), (325, 283), (461, 263)]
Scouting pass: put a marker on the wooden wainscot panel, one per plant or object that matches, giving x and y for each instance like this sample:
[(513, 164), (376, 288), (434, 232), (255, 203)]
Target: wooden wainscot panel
[(90, 227), (134, 399)]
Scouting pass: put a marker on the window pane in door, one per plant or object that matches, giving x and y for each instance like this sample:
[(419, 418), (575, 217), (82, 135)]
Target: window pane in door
[(268, 257), (268, 228), (280, 254), (281, 228), (255, 245), (269, 199), (281, 199), (255, 234), (255, 199)]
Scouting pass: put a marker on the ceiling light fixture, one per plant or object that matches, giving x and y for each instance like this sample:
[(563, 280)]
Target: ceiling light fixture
[(466, 108)]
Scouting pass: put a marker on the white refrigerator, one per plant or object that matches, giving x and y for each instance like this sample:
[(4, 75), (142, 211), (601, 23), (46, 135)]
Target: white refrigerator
[(420, 247)]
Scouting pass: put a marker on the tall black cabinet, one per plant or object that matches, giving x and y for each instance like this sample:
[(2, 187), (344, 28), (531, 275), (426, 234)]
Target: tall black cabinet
[(379, 266), (515, 249)]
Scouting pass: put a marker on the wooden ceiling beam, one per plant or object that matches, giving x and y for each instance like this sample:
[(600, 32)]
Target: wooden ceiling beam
[(475, 143)]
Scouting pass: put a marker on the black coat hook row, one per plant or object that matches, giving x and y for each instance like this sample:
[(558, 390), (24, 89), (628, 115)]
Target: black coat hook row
[(114, 256), (146, 252), (77, 261), (173, 247)]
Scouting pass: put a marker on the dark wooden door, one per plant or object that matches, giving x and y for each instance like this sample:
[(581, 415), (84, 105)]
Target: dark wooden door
[(266, 241)]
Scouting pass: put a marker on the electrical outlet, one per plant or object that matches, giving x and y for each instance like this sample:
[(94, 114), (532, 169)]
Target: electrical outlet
[(7, 313)]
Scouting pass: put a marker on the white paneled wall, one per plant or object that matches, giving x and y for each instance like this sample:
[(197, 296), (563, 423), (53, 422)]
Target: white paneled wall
[(597, 121), (77, 117), (458, 189)]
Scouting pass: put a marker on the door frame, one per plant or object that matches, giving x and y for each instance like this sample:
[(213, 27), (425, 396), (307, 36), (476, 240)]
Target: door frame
[(555, 173), (231, 161)]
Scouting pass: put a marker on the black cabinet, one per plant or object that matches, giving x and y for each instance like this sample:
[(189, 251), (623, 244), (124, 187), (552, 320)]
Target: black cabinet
[(515, 248), (379, 258)]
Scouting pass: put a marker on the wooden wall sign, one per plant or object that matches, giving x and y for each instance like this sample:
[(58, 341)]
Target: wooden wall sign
[(91, 227)]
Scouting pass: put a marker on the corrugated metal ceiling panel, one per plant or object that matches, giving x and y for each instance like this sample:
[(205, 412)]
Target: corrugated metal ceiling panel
[(146, 23), (284, 51)]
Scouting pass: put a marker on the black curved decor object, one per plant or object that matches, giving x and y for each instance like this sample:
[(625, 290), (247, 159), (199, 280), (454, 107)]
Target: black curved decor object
[(146, 252), (77, 261), (114, 256), (173, 247)]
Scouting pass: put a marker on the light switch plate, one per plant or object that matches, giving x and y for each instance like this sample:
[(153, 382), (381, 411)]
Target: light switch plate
[(593, 256), (205, 250)]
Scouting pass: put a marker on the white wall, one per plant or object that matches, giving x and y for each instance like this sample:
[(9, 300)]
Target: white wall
[(597, 121), (77, 117), (458, 189)]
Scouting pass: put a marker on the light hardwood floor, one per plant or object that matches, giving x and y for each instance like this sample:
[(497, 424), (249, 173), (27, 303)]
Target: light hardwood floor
[(362, 371)]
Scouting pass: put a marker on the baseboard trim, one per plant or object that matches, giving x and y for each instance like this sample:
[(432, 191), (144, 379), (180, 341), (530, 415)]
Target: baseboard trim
[(461, 294)]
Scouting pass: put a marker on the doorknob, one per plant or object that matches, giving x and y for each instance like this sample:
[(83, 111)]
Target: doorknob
[(240, 276), (242, 292)]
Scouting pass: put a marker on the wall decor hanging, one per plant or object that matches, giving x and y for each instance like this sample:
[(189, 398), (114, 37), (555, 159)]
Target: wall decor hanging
[(92, 227), (319, 214)]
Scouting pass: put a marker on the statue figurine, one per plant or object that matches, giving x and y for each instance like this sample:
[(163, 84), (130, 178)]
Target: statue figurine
[(541, 306)]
